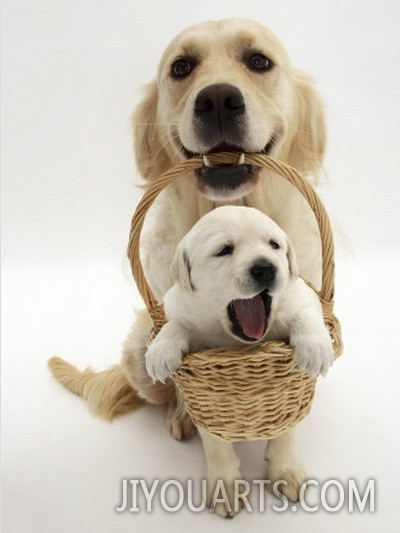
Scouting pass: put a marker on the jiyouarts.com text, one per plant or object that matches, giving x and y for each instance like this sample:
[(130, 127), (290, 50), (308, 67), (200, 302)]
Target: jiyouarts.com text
[(138, 495)]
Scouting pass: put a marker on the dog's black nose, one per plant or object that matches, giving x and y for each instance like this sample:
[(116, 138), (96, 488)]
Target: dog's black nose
[(220, 99), (218, 108), (263, 272)]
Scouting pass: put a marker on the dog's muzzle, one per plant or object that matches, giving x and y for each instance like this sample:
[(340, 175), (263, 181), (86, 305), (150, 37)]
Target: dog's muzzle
[(221, 124)]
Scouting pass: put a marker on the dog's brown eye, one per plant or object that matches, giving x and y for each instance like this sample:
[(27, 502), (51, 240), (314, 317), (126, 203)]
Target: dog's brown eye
[(226, 250), (274, 244), (259, 62), (182, 67)]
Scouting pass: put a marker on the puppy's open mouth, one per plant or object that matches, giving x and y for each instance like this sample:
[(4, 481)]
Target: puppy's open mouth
[(249, 317), (225, 181)]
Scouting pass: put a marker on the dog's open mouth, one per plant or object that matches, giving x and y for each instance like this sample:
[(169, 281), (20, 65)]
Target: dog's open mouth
[(224, 181), (249, 317)]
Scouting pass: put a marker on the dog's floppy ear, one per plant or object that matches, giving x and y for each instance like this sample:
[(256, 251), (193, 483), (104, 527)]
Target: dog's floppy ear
[(180, 269), (292, 259), (306, 143), (151, 158)]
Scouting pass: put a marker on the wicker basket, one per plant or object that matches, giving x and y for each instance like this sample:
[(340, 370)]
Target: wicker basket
[(244, 392)]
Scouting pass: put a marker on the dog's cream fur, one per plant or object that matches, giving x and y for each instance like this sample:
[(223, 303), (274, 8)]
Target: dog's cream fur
[(280, 104), (282, 109)]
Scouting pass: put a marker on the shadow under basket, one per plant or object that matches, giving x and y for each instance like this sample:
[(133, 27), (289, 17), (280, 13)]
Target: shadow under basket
[(244, 392)]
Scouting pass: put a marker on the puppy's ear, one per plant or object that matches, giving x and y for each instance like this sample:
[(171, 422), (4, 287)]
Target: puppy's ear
[(306, 143), (151, 158), (292, 260), (180, 269)]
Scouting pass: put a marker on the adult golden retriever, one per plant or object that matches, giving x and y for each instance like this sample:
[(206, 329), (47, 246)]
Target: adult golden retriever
[(228, 85), (221, 85)]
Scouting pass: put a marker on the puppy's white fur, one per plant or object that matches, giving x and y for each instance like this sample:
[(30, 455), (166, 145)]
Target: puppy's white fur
[(196, 306), (206, 282)]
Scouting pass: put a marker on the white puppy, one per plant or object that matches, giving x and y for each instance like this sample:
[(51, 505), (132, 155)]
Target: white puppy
[(236, 281)]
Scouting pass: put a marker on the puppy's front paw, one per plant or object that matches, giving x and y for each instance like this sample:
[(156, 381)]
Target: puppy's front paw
[(314, 353), (163, 358)]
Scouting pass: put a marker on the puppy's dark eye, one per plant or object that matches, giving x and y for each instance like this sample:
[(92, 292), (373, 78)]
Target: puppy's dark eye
[(226, 250), (259, 62), (274, 244), (182, 67)]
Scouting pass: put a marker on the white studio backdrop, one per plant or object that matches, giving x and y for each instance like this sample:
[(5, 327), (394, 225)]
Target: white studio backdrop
[(72, 72)]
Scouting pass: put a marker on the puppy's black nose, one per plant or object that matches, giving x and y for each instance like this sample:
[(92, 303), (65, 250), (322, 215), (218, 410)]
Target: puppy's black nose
[(217, 108), (263, 272)]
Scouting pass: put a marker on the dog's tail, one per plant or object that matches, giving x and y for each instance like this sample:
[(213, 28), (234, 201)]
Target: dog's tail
[(108, 393)]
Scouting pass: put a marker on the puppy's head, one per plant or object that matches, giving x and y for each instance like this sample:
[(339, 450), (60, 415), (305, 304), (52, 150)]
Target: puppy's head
[(235, 262), (228, 85)]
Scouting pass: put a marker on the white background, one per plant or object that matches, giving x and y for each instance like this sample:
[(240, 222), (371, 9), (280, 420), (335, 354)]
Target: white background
[(72, 71)]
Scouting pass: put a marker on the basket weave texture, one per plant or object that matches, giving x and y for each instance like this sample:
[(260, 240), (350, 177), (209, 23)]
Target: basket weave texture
[(245, 392)]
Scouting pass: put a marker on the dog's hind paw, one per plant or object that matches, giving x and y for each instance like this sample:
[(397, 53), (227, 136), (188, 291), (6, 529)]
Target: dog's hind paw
[(180, 427)]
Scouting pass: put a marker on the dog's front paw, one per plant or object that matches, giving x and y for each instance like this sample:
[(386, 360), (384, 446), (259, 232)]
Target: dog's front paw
[(163, 358), (314, 353), (287, 481), (223, 497)]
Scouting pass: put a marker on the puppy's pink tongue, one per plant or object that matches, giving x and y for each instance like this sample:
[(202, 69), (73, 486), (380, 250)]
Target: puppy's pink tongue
[(250, 314)]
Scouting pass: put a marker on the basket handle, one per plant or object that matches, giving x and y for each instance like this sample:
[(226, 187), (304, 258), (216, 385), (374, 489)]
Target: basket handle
[(278, 167)]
